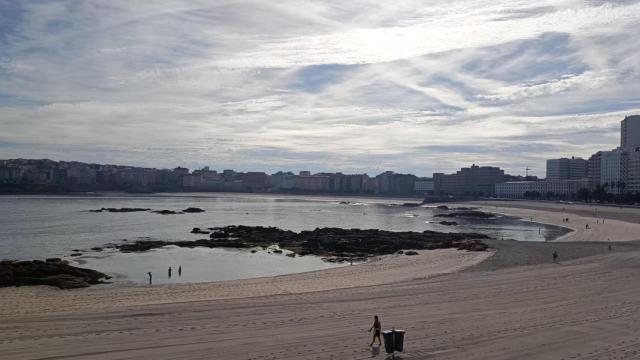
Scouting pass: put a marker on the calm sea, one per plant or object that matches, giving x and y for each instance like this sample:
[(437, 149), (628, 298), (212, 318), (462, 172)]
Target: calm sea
[(35, 227)]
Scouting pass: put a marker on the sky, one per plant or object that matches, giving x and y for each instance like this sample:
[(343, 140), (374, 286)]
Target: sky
[(353, 86)]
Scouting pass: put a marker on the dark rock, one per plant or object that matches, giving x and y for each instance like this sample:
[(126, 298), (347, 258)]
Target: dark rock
[(448, 223), (219, 235), (97, 248), (53, 260), (192, 210), (254, 251), (326, 242), (59, 274), (442, 207), (291, 255), (400, 252), (119, 210), (467, 214), (277, 251), (76, 254), (411, 204), (166, 212), (196, 230), (411, 252)]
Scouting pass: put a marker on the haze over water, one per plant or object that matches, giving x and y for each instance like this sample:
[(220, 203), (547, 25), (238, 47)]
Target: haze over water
[(36, 227)]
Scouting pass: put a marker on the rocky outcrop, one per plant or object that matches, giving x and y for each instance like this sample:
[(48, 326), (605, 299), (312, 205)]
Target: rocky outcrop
[(166, 212), (448, 223), (119, 210), (196, 230), (411, 253), (161, 212), (329, 242), (53, 272), (467, 214)]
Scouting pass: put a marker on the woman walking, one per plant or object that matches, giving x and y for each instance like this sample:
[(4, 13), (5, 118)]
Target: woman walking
[(376, 327)]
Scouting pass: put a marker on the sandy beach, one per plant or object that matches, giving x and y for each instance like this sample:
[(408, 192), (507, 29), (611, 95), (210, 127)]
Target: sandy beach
[(606, 223), (510, 303)]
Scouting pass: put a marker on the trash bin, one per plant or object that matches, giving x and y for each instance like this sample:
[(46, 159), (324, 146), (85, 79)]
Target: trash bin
[(388, 341), (398, 339)]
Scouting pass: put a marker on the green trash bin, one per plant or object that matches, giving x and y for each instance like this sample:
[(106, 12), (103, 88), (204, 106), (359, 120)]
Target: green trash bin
[(388, 341)]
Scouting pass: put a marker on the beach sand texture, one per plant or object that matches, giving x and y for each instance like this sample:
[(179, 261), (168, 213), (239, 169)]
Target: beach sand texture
[(516, 304), (620, 224)]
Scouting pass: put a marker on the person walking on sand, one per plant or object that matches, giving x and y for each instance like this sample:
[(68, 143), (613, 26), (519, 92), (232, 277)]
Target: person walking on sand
[(179, 270), (169, 272), (555, 256), (377, 329), (150, 277)]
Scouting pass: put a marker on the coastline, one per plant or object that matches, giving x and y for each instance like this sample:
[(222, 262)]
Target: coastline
[(615, 228), (453, 304), (375, 272)]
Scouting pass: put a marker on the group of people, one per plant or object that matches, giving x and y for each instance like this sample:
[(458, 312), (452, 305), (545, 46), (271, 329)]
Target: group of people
[(168, 273)]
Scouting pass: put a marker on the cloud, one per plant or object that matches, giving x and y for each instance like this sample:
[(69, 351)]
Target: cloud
[(351, 86)]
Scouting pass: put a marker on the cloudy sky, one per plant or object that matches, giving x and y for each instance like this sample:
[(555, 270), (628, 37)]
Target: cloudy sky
[(353, 86)]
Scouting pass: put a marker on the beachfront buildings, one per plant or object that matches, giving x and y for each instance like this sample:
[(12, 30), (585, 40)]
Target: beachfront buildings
[(423, 186), (474, 180), (630, 133), (613, 166), (632, 180), (544, 188), (567, 169)]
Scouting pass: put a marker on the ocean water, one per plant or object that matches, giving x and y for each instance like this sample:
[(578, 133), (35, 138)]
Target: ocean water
[(36, 227)]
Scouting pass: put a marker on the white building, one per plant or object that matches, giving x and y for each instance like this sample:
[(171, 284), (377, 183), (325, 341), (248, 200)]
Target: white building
[(518, 189)]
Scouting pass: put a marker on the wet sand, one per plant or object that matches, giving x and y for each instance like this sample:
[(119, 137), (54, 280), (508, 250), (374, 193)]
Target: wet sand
[(516, 304), (605, 223)]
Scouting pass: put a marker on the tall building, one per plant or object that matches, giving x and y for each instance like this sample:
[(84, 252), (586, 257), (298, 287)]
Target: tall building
[(474, 180), (567, 169), (630, 132), (613, 170), (392, 183), (593, 169), (632, 180)]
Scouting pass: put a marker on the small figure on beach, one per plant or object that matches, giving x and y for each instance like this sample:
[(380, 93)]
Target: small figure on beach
[(179, 270), (150, 277), (169, 272), (555, 256), (377, 329), (609, 247), (586, 226)]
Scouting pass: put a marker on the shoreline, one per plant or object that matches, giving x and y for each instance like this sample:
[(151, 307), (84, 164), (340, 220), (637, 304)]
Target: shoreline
[(454, 305), (615, 228), (377, 271)]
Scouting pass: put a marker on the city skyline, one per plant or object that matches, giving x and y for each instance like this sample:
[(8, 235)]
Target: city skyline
[(361, 87)]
